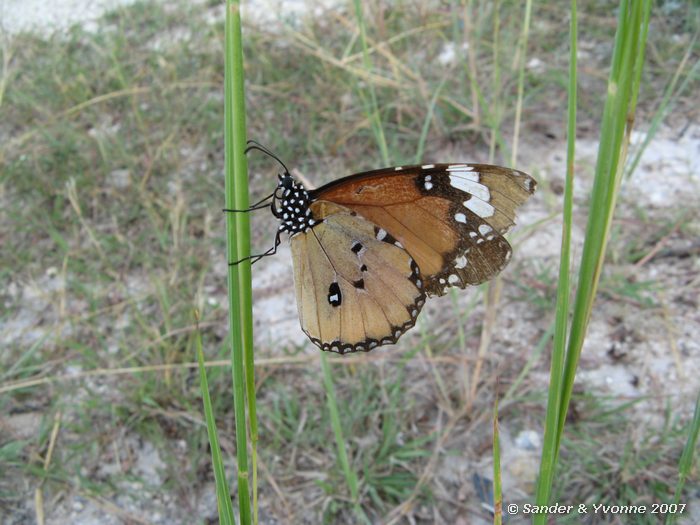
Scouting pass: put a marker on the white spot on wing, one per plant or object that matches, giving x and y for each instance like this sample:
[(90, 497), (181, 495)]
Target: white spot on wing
[(453, 279), (428, 166), (398, 168), (481, 208), (382, 233), (428, 185), (485, 229), (461, 262), (470, 186), (466, 175), (460, 217)]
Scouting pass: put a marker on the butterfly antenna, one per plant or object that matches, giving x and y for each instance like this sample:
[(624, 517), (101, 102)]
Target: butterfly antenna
[(256, 145)]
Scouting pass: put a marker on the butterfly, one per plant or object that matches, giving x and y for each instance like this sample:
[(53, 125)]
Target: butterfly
[(368, 249)]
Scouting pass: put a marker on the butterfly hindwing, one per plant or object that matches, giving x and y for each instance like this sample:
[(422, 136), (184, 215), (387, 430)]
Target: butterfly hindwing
[(357, 287), (449, 217), (368, 248)]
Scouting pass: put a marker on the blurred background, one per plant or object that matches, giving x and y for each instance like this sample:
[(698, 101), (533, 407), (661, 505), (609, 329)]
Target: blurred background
[(111, 189)]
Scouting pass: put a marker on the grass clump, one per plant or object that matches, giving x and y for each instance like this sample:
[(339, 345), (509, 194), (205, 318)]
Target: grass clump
[(110, 181), (610, 460)]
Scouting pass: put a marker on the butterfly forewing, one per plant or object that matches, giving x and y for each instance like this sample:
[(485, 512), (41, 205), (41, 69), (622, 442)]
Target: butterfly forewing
[(357, 287), (405, 222), (449, 217), (369, 247)]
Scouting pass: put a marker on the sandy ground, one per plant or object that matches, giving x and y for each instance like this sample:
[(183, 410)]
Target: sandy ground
[(27, 15)]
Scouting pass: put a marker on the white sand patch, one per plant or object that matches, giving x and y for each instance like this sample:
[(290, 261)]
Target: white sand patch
[(669, 170), (37, 15), (27, 15)]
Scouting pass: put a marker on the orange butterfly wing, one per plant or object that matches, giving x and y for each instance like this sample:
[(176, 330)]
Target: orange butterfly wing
[(356, 288), (450, 218)]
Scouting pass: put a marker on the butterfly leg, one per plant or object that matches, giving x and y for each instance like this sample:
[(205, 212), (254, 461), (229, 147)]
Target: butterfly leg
[(256, 258), (257, 206)]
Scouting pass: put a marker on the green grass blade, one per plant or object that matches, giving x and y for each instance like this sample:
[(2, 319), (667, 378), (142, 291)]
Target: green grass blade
[(223, 496), (532, 359), (638, 67), (549, 448), (522, 50), (496, 114), (373, 110), (670, 94), (26, 356), (238, 247), (350, 476), (426, 124), (686, 462), (497, 485), (618, 111)]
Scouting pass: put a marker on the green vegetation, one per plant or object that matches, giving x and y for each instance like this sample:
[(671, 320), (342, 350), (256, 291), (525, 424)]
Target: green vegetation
[(112, 161)]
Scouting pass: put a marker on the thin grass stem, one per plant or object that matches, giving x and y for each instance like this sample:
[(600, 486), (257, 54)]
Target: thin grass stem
[(549, 448), (350, 476), (223, 496), (685, 464), (238, 247), (373, 107), (617, 114), (497, 485), (426, 123), (665, 105), (522, 51)]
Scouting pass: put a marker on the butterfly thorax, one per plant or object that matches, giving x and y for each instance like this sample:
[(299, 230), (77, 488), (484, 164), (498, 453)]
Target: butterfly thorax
[(291, 206)]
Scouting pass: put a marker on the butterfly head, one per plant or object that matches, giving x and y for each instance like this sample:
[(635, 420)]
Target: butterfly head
[(291, 205)]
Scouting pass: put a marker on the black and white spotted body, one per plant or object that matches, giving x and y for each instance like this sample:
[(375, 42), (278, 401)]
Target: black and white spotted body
[(291, 206)]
